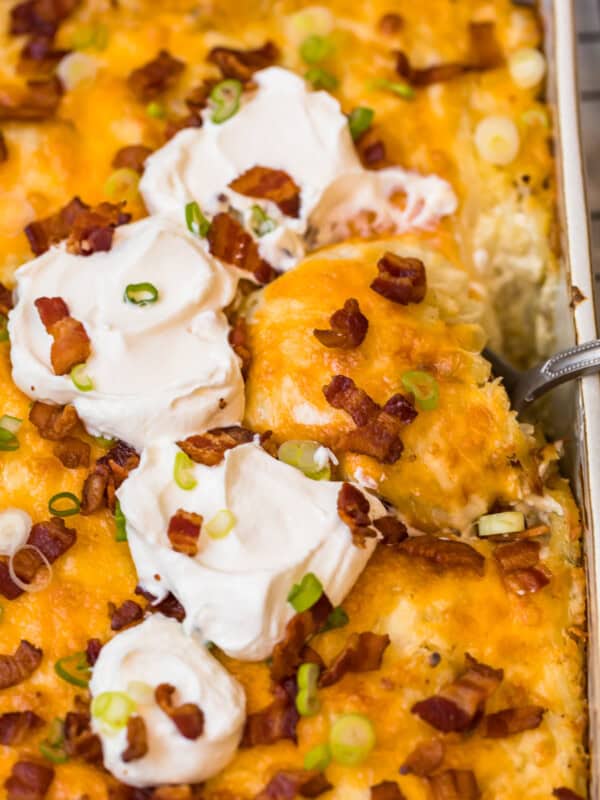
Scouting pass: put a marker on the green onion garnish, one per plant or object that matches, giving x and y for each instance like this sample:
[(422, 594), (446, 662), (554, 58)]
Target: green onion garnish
[(351, 739), (74, 669), (260, 222), (81, 379), (122, 184), (502, 523), (403, 90), (52, 746), (140, 294), (321, 79), (318, 758), (3, 328), (105, 442), (360, 120), (301, 454), (9, 427), (221, 524), (182, 472), (316, 48), (57, 507), (336, 619), (424, 387), (90, 36), (225, 99), (305, 594), (195, 220), (10, 424), (156, 110), (120, 524), (307, 701), (113, 709)]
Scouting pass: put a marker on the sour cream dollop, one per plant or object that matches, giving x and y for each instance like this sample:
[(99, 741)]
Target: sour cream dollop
[(162, 369), (235, 589), (135, 662), (285, 126)]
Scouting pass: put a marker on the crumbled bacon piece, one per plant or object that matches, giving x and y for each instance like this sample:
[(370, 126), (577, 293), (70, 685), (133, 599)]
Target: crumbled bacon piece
[(419, 78), (288, 784), (511, 720), (39, 101), (287, 653), (28, 780), (343, 393), (566, 794), (53, 422), (520, 567), (454, 784), (386, 790), (80, 741), (457, 706), (390, 23), (39, 55), (137, 739), (155, 77), (371, 150), (401, 280), (354, 510), (424, 759), (108, 474), (92, 651), (240, 344), (3, 154), (187, 717), (40, 16), (43, 233), (209, 448), (392, 530), (486, 52), (71, 344), (169, 606), (15, 726), (228, 241), (363, 653), (20, 665), (184, 532), (132, 157), (444, 553), (242, 64), (6, 298), (72, 452), (276, 721), (270, 184), (348, 327), (126, 614)]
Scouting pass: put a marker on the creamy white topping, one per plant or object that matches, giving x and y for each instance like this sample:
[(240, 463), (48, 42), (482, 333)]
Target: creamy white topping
[(135, 662), (285, 126), (15, 526), (235, 589), (163, 369)]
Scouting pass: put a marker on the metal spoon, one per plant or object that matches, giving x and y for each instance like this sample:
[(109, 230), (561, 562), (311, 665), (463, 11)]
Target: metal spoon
[(525, 387)]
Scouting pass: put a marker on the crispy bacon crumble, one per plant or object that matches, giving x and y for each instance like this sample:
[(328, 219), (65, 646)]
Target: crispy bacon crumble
[(108, 474), (401, 280), (276, 721), (520, 566), (270, 184), (125, 614), (511, 720), (354, 510), (228, 241), (454, 784), (242, 64), (348, 327), (15, 726), (187, 717), (71, 345), (137, 739), (288, 784), (28, 780), (424, 759), (209, 448), (444, 553), (287, 654), (19, 666), (184, 532), (386, 790), (133, 156), (363, 652), (155, 77), (53, 422)]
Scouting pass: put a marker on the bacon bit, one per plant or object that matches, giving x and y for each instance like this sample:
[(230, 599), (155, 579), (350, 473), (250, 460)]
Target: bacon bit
[(424, 759), (310, 656), (93, 229), (92, 651), (528, 533), (127, 613), (155, 77), (390, 24), (80, 741), (168, 606), (520, 566), (20, 666), (444, 553), (53, 422), (132, 157), (348, 327), (363, 653), (188, 718), (392, 529), (419, 78), (288, 784), (72, 452), (371, 150), (454, 784), (71, 343), (270, 184), (386, 790), (354, 510), (28, 780), (3, 157), (276, 721), (40, 16), (137, 739), (511, 720), (457, 705), (239, 339), (107, 475), (228, 241), (209, 448), (39, 101), (401, 280), (342, 392), (15, 726), (184, 532), (242, 64), (43, 233), (566, 794), (6, 299), (287, 653), (486, 53)]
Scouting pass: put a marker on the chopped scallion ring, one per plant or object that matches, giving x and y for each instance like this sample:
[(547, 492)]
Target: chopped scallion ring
[(316, 48), (156, 110), (8, 440), (74, 669), (3, 328), (321, 79), (502, 523), (336, 619), (225, 100), (52, 746), (140, 294), (11, 424), (497, 140), (306, 456), (122, 184), (120, 524), (527, 67), (113, 708), (307, 701), (318, 758), (403, 90), (81, 379), (93, 36), (360, 120), (424, 387), (182, 472), (351, 739), (105, 442), (195, 220), (57, 507), (305, 594), (221, 524), (260, 222)]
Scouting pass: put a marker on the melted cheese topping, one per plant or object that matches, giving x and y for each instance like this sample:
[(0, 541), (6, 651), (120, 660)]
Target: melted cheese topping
[(162, 369), (154, 652), (235, 589)]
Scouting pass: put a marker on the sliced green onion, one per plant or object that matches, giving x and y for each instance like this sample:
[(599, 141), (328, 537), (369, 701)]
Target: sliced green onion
[(260, 222), (156, 110), (10, 424), (307, 700), (81, 379), (140, 692), (316, 48), (113, 708), (322, 79), (9, 427), (305, 594), (122, 184), (502, 523), (221, 524), (182, 472), (195, 220), (301, 454), (360, 120), (424, 387), (336, 619), (90, 36), (3, 328), (140, 294), (120, 524), (398, 88), (57, 506), (225, 99), (318, 758), (74, 669), (52, 746), (105, 442), (351, 739), (535, 116)]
